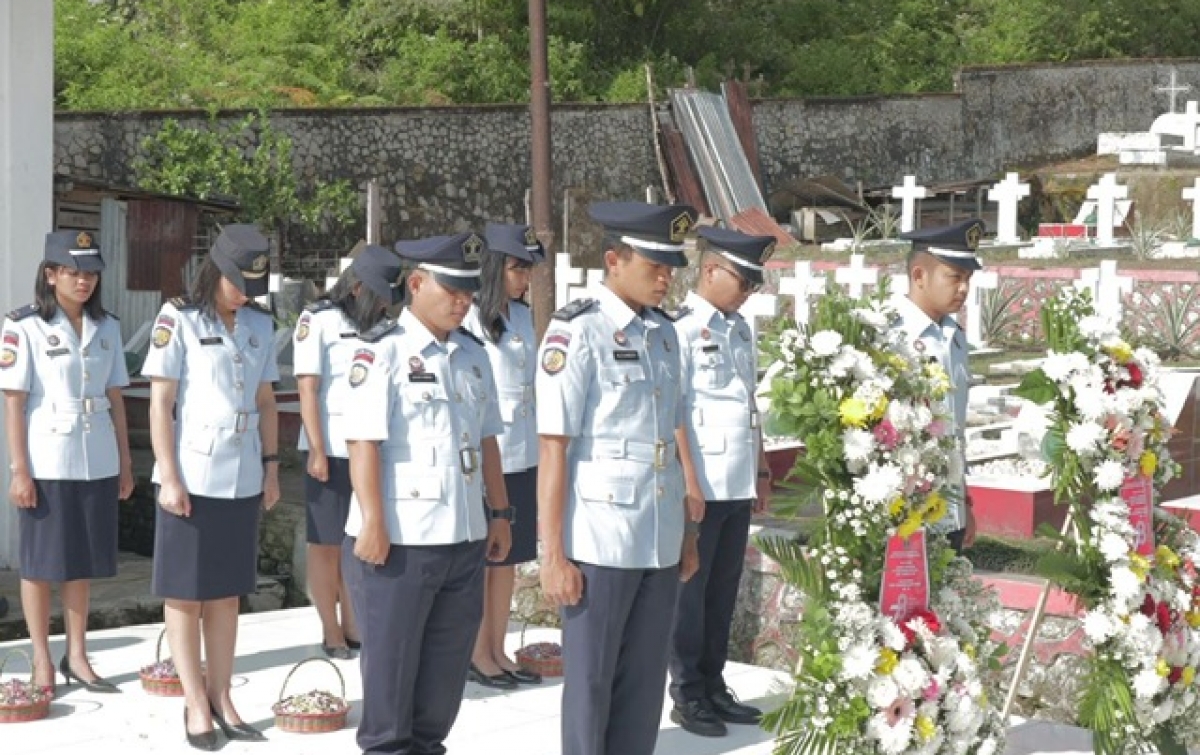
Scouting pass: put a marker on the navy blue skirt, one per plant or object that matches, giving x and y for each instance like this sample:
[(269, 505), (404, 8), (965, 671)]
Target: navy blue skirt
[(327, 504), (522, 496), (209, 555), (72, 532)]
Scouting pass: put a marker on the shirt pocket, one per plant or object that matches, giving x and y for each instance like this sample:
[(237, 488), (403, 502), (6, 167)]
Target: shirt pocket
[(429, 407), (407, 487), (199, 441), (596, 488), (711, 441), (713, 370)]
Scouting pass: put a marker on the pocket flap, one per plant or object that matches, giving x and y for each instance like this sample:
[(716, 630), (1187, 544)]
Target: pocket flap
[(623, 373), (53, 427), (419, 489), (606, 490), (199, 441), (424, 393), (711, 442)]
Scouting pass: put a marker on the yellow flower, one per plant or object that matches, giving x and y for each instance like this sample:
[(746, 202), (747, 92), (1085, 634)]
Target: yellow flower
[(1166, 557), (935, 508), (969, 650), (1148, 463), (1193, 619), (1188, 676), (896, 507), (941, 380), (925, 728), (1119, 351), (880, 407), (1139, 565), (888, 660), (853, 412), (909, 525), (1162, 668), (898, 362), (983, 699)]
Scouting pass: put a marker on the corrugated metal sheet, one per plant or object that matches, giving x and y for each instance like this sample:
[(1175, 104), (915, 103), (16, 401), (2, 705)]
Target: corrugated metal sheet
[(742, 115), (686, 182), (756, 222), (133, 307)]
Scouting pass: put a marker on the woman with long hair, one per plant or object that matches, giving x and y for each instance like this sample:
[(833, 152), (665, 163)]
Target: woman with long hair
[(213, 425), (323, 346), (502, 320), (62, 368)]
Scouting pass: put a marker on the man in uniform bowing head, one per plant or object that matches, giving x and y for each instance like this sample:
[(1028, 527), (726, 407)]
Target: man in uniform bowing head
[(615, 535), (421, 433)]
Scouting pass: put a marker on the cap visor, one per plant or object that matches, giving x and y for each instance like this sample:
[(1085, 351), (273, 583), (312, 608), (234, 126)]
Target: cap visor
[(674, 259), (965, 263), (255, 286), (88, 263), (458, 282)]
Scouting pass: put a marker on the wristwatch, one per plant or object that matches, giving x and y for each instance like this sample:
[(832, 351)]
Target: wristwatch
[(507, 514), (268, 458)]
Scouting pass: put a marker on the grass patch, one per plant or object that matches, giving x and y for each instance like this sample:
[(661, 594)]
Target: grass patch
[(997, 554)]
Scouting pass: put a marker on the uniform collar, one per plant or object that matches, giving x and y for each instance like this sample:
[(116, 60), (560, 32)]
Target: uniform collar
[(915, 321), (615, 309), (705, 311), (416, 333)]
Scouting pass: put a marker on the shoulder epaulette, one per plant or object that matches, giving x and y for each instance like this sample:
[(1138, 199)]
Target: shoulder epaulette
[(665, 313), (574, 309), (320, 305), (20, 313), (113, 315), (378, 330), (183, 304), (681, 313), (471, 335)]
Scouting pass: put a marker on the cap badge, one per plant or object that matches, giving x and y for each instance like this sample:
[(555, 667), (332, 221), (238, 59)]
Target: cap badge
[(680, 226), (472, 249), (767, 252), (530, 237), (84, 239), (974, 233), (259, 264), (620, 338)]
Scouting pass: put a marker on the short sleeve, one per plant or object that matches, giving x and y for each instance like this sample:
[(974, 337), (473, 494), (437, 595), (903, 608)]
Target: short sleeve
[(369, 402), (308, 345), (118, 376), (493, 425), (564, 375), (166, 355), (270, 373), (16, 358)]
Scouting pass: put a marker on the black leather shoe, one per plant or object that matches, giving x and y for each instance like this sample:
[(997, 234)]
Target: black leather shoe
[(496, 681), (340, 653), (698, 718), (353, 644), (521, 676), (242, 732), (96, 685), (728, 709), (206, 741)]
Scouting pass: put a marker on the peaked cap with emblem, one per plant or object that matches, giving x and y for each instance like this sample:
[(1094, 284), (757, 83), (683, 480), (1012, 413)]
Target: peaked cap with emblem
[(655, 231), (77, 249), (240, 253), (749, 254), (379, 270), (952, 244), (453, 260), (517, 241)]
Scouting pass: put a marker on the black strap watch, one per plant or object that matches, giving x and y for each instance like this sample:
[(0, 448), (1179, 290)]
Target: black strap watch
[(508, 514)]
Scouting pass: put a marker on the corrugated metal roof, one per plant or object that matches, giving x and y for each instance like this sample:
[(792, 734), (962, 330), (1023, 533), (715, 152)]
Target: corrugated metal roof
[(757, 222), (716, 152)]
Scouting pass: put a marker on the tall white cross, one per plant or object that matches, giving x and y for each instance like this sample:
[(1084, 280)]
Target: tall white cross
[(1108, 288), (1106, 193), (908, 193), (857, 276), (1192, 194), (1174, 90), (1008, 194), (984, 280), (802, 287)]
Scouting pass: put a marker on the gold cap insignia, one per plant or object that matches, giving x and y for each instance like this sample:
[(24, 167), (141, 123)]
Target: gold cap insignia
[(259, 264), (84, 240), (680, 226), (531, 238), (767, 251), (472, 249), (974, 234)]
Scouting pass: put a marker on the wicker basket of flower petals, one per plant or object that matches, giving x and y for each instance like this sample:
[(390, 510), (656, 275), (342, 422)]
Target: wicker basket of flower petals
[(313, 712), (543, 658), (22, 701), (160, 677)]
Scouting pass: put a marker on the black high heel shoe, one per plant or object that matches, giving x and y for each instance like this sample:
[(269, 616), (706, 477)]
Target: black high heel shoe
[(96, 685), (243, 732), (495, 681), (206, 741)]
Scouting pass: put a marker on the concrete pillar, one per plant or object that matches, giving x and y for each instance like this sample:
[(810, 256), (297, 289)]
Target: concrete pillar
[(26, 178)]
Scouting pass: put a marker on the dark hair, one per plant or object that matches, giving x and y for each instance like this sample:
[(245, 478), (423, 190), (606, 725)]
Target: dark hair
[(493, 292), (203, 292), (364, 309), (47, 300)]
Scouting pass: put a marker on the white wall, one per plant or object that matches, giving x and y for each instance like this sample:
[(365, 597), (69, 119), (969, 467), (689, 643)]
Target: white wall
[(26, 177)]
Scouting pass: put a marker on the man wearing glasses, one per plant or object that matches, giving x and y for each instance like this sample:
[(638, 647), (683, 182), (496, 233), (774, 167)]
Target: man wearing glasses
[(726, 475)]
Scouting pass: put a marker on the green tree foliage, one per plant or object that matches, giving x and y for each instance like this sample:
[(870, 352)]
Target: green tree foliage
[(118, 54)]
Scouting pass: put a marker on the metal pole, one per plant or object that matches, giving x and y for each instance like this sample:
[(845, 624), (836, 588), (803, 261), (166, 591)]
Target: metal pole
[(542, 289)]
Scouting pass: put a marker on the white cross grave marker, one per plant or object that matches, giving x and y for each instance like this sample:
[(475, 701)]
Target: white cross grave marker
[(1173, 90), (908, 193), (1107, 287), (803, 286), (857, 276), (984, 280), (1192, 194), (758, 305), (1008, 194), (1106, 193), (571, 283)]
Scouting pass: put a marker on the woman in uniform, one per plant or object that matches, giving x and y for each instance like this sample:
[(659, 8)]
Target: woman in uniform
[(62, 367), (324, 344), (213, 425), (502, 320)]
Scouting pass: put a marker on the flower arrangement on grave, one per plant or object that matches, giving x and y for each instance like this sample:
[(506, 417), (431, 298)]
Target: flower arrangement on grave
[(893, 639), (1132, 566)]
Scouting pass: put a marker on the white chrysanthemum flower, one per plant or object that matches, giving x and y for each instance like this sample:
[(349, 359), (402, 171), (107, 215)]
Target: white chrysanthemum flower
[(825, 343), (1060, 367), (911, 676), (873, 317), (1147, 683), (900, 414), (987, 747), (859, 661), (858, 445), (1098, 627), (890, 635), (1084, 438), (881, 484), (1124, 583), (1109, 475), (1113, 546), (1089, 399), (882, 692)]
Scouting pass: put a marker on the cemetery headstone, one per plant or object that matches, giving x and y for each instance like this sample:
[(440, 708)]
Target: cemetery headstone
[(908, 193), (1008, 194)]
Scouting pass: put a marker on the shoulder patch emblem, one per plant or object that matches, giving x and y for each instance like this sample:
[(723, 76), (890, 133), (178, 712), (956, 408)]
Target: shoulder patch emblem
[(302, 326), (553, 360), (574, 309), (8, 358), (164, 329), (363, 359), (22, 312), (12, 338)]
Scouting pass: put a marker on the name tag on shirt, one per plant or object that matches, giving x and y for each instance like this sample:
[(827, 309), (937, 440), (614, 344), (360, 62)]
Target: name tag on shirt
[(422, 377), (58, 352), (351, 334), (709, 349), (625, 355), (211, 341)]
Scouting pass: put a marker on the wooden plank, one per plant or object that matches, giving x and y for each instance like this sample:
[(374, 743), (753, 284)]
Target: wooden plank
[(77, 221)]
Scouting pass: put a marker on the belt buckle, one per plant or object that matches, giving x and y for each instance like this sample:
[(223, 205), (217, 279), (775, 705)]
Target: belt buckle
[(241, 420), (87, 406), (660, 454)]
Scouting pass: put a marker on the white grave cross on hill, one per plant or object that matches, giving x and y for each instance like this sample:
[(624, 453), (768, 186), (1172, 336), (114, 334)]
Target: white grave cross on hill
[(1173, 90), (1008, 194), (802, 287), (857, 276), (1107, 286), (1192, 194), (1106, 193), (908, 194)]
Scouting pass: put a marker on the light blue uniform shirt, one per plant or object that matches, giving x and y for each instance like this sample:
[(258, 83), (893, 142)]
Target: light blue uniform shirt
[(945, 342), (719, 366), (218, 445), (429, 404), (323, 345), (609, 379), (514, 362), (70, 430)]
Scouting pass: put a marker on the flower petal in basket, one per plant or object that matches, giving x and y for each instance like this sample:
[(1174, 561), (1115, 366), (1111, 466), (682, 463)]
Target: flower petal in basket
[(313, 712), (22, 701)]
